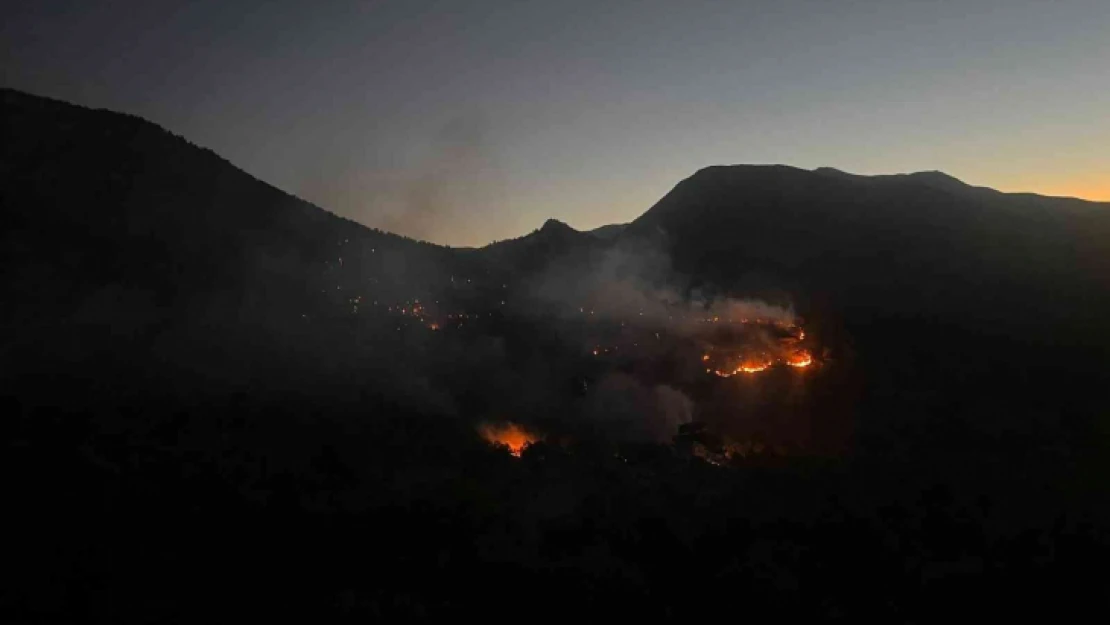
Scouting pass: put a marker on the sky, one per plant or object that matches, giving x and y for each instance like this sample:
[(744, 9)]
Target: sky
[(471, 121)]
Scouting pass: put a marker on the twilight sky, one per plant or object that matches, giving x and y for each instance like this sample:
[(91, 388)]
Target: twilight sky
[(467, 121)]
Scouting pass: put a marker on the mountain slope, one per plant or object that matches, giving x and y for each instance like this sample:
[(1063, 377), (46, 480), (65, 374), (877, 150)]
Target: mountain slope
[(124, 199), (529, 254), (922, 244), (977, 466), (121, 238)]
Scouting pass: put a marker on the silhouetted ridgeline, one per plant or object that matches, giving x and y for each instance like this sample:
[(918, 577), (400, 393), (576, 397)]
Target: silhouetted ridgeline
[(921, 245), (224, 404), (120, 238)]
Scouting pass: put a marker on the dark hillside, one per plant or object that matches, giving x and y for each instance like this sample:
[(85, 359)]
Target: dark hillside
[(122, 238), (922, 245), (223, 404)]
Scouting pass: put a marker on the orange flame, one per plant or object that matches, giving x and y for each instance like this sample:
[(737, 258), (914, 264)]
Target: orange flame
[(800, 358), (750, 365), (508, 435)]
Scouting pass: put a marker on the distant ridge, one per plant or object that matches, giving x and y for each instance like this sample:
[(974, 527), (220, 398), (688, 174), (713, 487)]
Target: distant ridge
[(105, 204), (608, 232), (922, 244)]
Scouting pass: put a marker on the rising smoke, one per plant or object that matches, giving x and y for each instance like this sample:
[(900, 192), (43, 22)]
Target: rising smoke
[(456, 173), (634, 281)]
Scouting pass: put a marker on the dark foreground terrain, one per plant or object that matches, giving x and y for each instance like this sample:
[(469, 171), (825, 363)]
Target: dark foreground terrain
[(212, 411)]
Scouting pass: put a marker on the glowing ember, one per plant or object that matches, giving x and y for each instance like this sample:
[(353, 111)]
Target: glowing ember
[(726, 352), (800, 358), (508, 435)]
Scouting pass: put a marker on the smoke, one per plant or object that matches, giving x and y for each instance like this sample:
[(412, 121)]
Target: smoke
[(628, 290), (426, 186), (635, 282), (529, 361), (456, 173), (637, 411), (740, 309)]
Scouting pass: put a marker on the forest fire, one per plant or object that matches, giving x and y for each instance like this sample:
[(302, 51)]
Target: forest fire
[(508, 435), (749, 365), (751, 347), (800, 359)]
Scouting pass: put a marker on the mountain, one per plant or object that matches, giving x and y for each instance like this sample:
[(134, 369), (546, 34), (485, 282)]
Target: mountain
[(920, 245), (608, 232), (533, 252), (124, 242), (93, 196), (110, 220), (975, 319), (253, 407)]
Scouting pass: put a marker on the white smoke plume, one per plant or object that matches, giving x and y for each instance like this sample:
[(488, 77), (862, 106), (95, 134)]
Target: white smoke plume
[(636, 283)]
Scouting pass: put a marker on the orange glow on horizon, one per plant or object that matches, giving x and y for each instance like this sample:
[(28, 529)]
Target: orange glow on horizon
[(1092, 187), (1095, 192), (508, 435)]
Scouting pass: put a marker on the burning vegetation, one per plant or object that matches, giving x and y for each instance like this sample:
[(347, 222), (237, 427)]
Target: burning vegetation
[(752, 346), (508, 435), (747, 365), (800, 359), (627, 348)]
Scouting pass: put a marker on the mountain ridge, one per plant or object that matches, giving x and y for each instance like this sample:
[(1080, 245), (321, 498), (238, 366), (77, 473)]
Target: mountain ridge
[(178, 218), (918, 244)]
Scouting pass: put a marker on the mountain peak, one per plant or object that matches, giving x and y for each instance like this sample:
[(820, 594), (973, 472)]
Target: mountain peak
[(554, 225), (717, 170), (937, 177), (931, 177), (832, 171)]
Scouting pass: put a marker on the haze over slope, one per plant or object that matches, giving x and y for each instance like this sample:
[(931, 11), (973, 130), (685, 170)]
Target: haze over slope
[(96, 198), (112, 222)]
